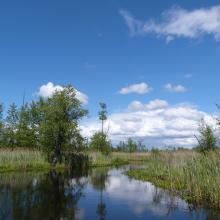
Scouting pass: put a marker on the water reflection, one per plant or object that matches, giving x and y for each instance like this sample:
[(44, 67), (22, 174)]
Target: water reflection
[(100, 193), (99, 179), (43, 196)]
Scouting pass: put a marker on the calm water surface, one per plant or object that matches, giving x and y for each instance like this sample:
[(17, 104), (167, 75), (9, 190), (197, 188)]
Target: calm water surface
[(101, 193)]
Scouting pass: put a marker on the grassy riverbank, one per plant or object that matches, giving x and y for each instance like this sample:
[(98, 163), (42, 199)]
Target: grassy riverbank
[(192, 176), (115, 158), (24, 159)]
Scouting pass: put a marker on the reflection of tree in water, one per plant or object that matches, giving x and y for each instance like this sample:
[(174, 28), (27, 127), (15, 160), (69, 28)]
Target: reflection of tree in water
[(99, 178), (53, 196), (159, 195), (212, 215), (5, 207)]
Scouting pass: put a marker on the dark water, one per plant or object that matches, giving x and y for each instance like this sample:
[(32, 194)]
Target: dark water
[(101, 193)]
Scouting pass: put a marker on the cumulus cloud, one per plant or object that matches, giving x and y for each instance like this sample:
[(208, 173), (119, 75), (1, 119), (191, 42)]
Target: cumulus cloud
[(48, 89), (168, 125), (178, 22), (152, 105), (140, 88), (175, 88)]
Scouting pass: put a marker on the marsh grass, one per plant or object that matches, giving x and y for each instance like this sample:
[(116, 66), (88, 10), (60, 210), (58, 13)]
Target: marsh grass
[(195, 177), (134, 156), (22, 159), (99, 160)]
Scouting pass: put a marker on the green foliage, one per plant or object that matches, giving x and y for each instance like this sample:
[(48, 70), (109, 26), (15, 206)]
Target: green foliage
[(103, 111), (59, 128), (24, 133), (131, 146), (11, 126), (49, 124), (206, 139), (100, 143)]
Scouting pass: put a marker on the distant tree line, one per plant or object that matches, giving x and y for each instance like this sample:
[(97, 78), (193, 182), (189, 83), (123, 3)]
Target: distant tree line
[(52, 126), (131, 146)]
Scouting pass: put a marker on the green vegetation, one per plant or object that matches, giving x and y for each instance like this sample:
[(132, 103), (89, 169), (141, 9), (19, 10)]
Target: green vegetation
[(45, 134), (49, 125), (193, 176), (131, 146), (23, 160), (99, 142), (27, 159), (207, 139)]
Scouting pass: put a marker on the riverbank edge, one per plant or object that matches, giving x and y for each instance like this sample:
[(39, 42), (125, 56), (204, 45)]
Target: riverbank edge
[(47, 167), (163, 183)]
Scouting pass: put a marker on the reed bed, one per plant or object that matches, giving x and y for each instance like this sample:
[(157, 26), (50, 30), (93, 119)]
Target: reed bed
[(195, 177), (25, 159), (21, 159)]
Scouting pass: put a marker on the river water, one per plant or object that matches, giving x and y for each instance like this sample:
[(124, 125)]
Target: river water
[(99, 193)]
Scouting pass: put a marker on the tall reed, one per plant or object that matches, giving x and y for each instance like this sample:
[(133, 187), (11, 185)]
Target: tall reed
[(194, 176)]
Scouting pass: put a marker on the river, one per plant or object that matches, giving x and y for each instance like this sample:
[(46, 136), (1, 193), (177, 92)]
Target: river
[(98, 193)]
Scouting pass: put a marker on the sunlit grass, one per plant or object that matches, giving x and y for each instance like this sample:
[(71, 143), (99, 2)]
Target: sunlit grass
[(22, 159), (25, 159), (194, 176)]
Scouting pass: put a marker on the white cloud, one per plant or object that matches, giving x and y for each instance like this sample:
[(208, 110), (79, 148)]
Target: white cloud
[(171, 125), (175, 88), (178, 22), (152, 105), (48, 89), (140, 88)]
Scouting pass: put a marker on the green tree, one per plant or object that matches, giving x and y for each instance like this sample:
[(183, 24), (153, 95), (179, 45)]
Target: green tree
[(59, 126), (141, 147), (207, 140), (131, 145), (24, 133), (101, 143), (11, 126), (103, 114), (36, 118), (101, 138)]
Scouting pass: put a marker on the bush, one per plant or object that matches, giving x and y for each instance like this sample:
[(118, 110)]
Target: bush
[(207, 139)]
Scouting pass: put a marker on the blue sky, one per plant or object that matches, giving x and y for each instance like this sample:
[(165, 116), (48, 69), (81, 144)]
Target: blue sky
[(91, 45)]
